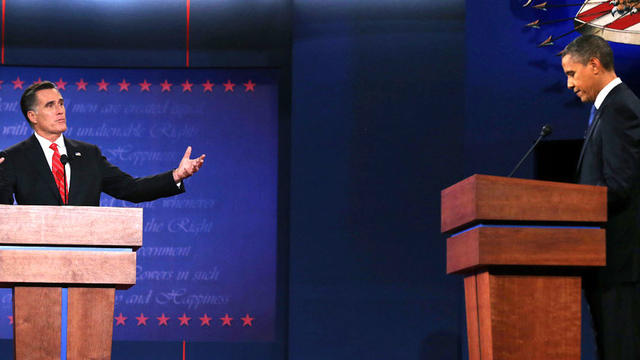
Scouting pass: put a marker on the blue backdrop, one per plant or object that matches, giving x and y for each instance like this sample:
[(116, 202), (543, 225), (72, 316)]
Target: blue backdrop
[(207, 269)]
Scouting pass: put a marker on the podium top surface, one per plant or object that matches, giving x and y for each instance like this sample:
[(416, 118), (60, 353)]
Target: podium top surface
[(70, 225), (492, 198)]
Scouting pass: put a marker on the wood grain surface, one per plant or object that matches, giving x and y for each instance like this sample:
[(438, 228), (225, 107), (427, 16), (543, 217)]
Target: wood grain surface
[(37, 320), (521, 317), (67, 267), (70, 225), (90, 323), (492, 198), (473, 322), (531, 246)]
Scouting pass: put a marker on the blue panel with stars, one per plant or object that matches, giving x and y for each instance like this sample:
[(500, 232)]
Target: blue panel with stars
[(207, 270)]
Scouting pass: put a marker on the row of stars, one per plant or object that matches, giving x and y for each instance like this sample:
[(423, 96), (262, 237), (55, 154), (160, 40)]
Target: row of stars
[(163, 320), (205, 320), (144, 85)]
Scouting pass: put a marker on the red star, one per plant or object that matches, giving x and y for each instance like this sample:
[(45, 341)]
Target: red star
[(82, 85), (120, 319), (142, 320), (124, 85), (37, 81), (17, 83), (162, 320), (102, 85), (226, 320), (247, 320), (184, 320), (166, 86), (208, 86), (186, 86), (205, 320), (61, 84), (228, 86), (10, 319), (144, 86), (249, 86)]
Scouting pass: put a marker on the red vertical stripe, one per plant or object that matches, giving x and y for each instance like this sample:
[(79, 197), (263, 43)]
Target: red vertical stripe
[(188, 13), (3, 8), (183, 341)]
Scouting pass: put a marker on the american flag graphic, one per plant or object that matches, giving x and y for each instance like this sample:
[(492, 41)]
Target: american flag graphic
[(617, 21)]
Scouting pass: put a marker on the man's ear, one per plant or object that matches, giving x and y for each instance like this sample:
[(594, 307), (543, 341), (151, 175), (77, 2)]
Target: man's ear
[(595, 65), (31, 115)]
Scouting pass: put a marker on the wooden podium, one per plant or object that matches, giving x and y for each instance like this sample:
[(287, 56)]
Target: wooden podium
[(64, 264), (521, 246)]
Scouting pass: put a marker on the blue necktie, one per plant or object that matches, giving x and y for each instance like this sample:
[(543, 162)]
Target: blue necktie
[(592, 114)]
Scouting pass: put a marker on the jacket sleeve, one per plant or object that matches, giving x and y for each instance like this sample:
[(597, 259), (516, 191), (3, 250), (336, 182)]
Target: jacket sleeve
[(121, 185), (7, 182)]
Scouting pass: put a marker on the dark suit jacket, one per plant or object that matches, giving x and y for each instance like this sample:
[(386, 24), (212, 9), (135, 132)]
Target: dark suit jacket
[(611, 157), (26, 175)]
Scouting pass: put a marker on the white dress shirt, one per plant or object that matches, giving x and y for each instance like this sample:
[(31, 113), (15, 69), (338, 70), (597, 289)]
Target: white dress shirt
[(48, 153), (605, 91)]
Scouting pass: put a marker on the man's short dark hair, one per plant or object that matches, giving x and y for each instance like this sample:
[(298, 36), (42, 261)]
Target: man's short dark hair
[(28, 99), (586, 47)]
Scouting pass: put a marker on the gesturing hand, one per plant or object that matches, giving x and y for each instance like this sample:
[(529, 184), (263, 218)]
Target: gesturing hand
[(187, 166)]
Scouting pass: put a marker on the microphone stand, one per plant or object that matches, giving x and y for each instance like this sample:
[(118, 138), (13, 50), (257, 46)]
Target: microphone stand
[(546, 130), (64, 159)]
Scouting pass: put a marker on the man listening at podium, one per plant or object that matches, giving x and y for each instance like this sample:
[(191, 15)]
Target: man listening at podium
[(50, 169), (611, 157)]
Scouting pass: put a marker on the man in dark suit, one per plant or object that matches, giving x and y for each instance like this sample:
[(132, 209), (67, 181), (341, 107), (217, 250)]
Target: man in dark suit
[(33, 172), (611, 157)]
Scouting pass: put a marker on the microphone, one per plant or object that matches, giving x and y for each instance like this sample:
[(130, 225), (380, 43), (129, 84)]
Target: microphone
[(64, 159), (546, 130)]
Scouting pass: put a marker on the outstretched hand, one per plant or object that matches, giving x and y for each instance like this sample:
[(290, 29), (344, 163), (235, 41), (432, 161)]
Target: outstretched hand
[(187, 166)]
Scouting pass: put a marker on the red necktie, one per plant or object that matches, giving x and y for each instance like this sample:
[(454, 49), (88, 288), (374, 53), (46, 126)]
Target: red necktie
[(58, 172)]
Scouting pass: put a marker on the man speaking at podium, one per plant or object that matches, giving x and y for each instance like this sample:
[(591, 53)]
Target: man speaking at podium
[(49, 169), (611, 157)]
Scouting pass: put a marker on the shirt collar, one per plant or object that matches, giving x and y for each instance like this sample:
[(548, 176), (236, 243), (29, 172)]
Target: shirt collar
[(605, 91), (44, 143)]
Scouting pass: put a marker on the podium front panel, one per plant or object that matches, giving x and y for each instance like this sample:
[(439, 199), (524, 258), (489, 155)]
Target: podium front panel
[(21, 266), (484, 198), (485, 246), (70, 225)]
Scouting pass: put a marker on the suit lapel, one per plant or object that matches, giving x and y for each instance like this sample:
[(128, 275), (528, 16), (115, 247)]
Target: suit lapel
[(76, 170), (590, 132), (596, 121), (37, 158)]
